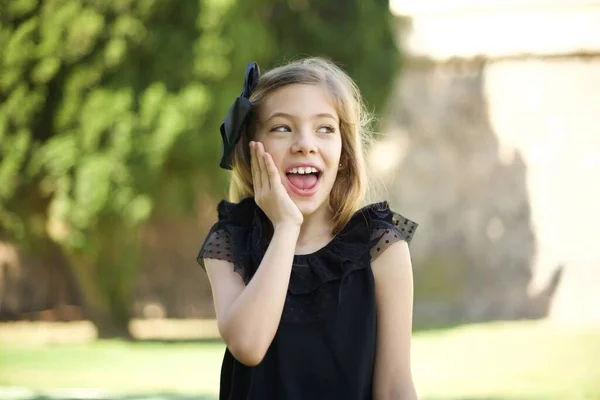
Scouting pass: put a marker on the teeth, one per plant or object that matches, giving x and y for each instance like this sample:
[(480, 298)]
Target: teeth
[(302, 170)]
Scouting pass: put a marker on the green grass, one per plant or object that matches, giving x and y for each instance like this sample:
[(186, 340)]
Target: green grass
[(115, 366), (508, 361), (517, 360)]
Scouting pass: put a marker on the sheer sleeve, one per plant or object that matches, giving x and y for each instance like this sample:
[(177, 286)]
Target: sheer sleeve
[(231, 238), (217, 246), (389, 231)]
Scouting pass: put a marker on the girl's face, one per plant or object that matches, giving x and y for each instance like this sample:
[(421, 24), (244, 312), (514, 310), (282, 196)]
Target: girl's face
[(299, 127)]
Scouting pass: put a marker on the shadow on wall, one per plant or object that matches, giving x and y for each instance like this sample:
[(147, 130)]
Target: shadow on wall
[(474, 250)]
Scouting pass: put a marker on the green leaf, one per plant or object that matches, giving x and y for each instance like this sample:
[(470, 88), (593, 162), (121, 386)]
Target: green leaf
[(138, 210), (23, 104), (150, 104), (21, 46), (130, 28), (45, 70), (92, 187), (115, 52), (83, 34), (14, 149), (20, 8), (57, 157)]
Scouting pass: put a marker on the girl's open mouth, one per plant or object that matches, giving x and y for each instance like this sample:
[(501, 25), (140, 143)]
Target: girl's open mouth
[(304, 181)]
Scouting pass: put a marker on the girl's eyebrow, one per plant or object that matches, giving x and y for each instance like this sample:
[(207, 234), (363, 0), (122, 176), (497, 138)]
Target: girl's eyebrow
[(289, 116)]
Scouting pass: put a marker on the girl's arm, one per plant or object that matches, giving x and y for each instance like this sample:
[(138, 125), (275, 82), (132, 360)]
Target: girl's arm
[(248, 316), (394, 297)]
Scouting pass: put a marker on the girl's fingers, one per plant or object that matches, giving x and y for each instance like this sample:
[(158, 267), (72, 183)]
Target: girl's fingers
[(264, 175), (272, 172), (254, 166)]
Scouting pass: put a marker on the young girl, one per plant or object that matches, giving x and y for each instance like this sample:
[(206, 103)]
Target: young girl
[(313, 295)]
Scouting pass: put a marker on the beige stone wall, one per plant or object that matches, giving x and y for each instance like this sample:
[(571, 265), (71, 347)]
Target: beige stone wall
[(473, 251), (549, 113), (493, 144)]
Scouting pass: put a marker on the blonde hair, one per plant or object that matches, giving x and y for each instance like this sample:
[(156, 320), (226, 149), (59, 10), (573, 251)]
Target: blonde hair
[(350, 187)]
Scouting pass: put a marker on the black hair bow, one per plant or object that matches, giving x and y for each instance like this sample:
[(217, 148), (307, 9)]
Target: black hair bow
[(233, 124)]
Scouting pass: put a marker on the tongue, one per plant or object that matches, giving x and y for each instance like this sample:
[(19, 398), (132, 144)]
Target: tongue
[(303, 181)]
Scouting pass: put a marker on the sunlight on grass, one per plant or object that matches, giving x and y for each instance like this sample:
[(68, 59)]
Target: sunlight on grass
[(517, 360), (509, 361), (115, 365)]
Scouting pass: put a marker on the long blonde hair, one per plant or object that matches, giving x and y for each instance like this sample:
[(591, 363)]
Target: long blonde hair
[(350, 187)]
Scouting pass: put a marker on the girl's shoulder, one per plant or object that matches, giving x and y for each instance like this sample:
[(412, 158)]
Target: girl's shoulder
[(241, 213), (231, 237), (377, 226)]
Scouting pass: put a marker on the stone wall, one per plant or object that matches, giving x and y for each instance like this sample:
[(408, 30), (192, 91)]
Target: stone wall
[(496, 152), (473, 251), (549, 112)]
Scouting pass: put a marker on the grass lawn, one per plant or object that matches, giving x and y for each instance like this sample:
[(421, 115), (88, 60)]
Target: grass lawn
[(508, 361)]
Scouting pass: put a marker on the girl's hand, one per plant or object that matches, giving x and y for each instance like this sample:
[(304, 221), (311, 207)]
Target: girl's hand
[(269, 193)]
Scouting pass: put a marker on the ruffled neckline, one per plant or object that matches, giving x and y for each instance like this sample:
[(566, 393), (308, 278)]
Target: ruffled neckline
[(247, 213)]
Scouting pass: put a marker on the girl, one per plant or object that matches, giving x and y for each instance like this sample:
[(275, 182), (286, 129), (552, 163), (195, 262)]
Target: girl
[(313, 295)]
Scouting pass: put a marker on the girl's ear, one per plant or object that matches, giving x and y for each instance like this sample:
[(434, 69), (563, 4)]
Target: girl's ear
[(342, 165)]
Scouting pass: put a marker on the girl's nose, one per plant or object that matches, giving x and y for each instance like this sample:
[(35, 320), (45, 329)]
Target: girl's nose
[(304, 142)]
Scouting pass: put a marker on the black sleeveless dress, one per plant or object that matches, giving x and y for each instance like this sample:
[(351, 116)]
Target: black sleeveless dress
[(324, 347)]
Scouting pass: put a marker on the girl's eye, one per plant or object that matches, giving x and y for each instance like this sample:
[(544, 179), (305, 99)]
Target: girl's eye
[(326, 129), (281, 128), (285, 128)]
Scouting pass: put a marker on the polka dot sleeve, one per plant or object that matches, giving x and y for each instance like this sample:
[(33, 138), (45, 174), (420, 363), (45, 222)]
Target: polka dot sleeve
[(216, 246), (385, 234)]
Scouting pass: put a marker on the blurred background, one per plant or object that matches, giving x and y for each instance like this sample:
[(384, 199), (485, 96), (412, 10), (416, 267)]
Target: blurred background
[(487, 136)]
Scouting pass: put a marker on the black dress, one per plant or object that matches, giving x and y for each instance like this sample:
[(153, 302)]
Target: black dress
[(324, 347)]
